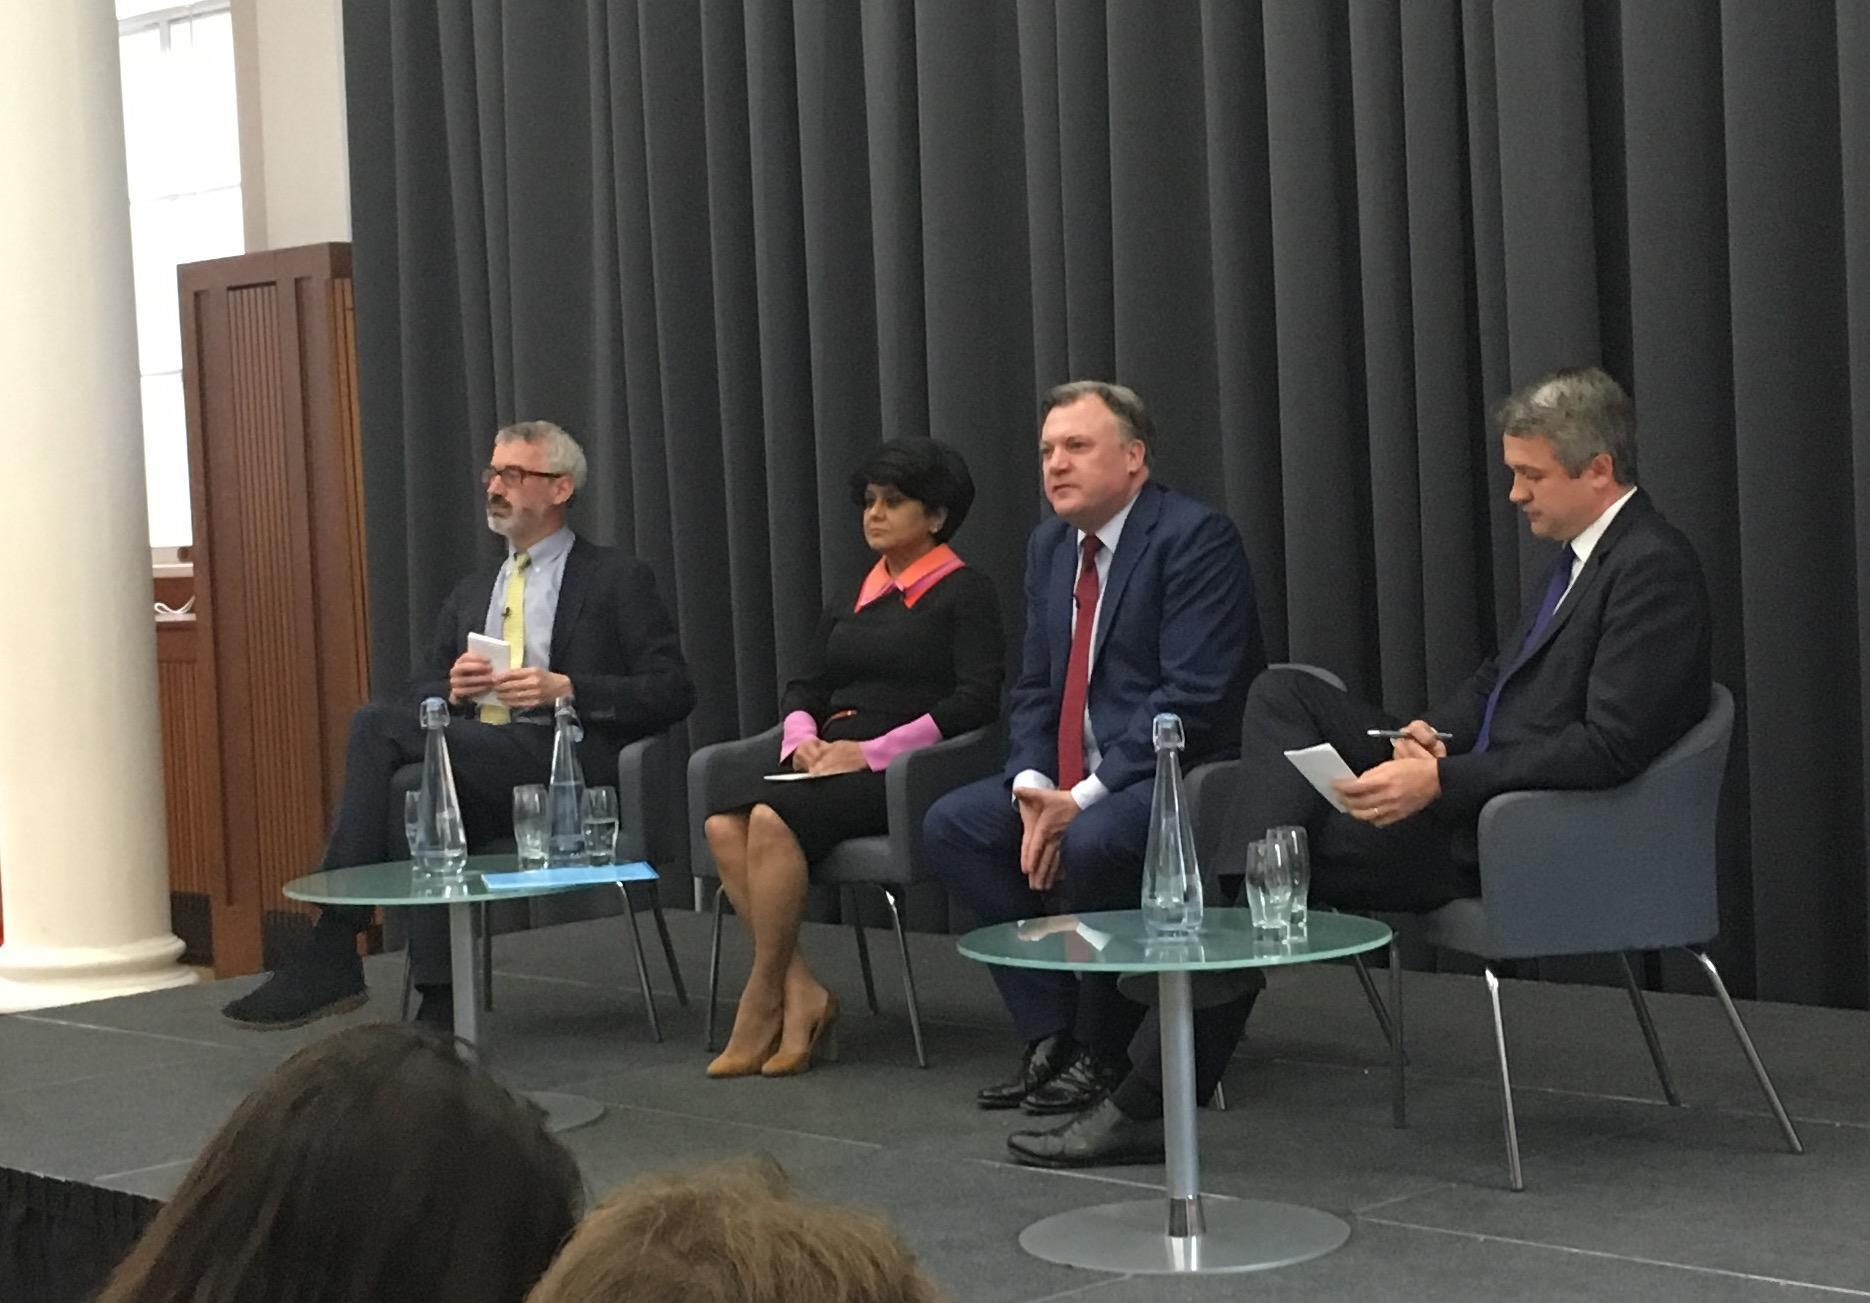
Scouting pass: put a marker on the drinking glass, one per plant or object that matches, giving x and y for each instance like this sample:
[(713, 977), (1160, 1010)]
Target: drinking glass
[(1299, 864), (412, 820), (529, 824), (600, 824), (1269, 887)]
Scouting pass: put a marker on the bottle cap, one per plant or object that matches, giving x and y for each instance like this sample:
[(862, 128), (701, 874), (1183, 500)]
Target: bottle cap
[(1168, 732), (434, 713)]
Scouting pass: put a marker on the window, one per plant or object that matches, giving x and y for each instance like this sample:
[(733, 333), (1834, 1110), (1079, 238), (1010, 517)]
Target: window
[(182, 144)]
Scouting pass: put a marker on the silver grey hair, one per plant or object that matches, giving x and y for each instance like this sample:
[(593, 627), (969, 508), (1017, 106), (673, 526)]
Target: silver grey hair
[(1583, 412), (1133, 421), (563, 456)]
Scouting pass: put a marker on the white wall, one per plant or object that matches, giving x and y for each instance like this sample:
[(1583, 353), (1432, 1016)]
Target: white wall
[(294, 159)]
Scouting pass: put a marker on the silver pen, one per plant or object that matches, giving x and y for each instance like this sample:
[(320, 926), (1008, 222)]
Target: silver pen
[(1393, 733)]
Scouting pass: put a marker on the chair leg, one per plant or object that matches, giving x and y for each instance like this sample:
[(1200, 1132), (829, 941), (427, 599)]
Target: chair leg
[(863, 948), (1793, 1143), (1506, 1083), (409, 979), (1218, 1100), (1399, 1054), (668, 946), (909, 978), (1377, 1007), (642, 968), (1643, 1020), (486, 958), (714, 966)]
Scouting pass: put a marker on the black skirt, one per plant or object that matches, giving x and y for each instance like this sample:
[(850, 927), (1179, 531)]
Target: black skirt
[(821, 812)]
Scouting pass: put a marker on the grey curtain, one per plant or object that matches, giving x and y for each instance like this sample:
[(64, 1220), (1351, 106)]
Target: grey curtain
[(731, 243)]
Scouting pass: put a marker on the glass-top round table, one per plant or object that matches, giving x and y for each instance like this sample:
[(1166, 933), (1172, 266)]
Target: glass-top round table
[(396, 883), (1189, 1236)]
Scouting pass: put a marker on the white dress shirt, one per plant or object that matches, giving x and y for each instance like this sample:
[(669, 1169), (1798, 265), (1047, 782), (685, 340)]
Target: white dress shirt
[(1588, 539), (1089, 790)]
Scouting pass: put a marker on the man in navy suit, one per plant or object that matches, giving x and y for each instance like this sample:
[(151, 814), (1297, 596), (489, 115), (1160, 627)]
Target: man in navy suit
[(1138, 601), (1609, 666), (589, 625)]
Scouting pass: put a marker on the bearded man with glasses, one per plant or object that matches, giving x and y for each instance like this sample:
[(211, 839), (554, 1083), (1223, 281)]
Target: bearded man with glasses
[(583, 621)]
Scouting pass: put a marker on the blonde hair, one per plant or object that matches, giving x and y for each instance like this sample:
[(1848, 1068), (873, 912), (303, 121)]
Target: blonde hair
[(734, 1233)]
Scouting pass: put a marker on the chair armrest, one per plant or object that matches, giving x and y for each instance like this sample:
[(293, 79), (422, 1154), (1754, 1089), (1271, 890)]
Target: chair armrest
[(646, 800), (1210, 790), (1626, 868), (916, 779), (719, 775)]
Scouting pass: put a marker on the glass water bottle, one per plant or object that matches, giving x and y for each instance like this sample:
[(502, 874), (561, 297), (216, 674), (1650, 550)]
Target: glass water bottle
[(440, 848), (1171, 875), (565, 844)]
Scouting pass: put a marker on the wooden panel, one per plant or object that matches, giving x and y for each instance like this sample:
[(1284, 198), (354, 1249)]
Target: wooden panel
[(267, 371)]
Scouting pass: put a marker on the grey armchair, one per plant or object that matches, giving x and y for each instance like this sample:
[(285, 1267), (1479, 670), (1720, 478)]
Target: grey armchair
[(649, 820), (726, 772), (1629, 868)]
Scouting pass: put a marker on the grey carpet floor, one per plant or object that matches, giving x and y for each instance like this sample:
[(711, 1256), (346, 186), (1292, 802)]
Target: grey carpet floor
[(1626, 1198)]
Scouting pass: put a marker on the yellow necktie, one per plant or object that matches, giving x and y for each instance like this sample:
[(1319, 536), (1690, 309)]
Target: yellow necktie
[(512, 628)]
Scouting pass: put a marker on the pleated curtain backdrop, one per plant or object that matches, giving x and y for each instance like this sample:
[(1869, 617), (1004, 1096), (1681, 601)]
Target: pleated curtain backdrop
[(732, 243)]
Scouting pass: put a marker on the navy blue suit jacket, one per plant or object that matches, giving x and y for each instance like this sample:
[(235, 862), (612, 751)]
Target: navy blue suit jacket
[(1178, 632)]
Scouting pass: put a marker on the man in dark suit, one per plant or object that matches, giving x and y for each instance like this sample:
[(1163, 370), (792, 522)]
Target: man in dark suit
[(585, 621), (1607, 669), (1138, 601)]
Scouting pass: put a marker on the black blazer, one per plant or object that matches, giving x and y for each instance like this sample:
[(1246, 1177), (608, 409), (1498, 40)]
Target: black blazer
[(611, 635), (1620, 673)]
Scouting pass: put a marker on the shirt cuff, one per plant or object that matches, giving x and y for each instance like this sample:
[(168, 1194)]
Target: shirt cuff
[(1089, 791), (1032, 778), (918, 732), (799, 727)]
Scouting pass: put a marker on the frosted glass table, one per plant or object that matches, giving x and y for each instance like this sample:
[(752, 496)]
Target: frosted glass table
[(1186, 1236), (395, 884)]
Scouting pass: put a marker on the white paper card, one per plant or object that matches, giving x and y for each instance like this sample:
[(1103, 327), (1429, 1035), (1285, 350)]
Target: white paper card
[(1323, 766), (794, 776), (499, 652)]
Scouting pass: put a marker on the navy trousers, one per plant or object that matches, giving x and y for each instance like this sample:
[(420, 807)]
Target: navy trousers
[(972, 838)]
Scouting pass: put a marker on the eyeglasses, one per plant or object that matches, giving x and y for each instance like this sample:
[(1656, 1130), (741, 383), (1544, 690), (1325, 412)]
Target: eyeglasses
[(513, 476)]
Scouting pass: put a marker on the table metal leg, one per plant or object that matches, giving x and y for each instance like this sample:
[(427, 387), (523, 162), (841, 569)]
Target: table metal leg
[(1198, 1237), (464, 959), (562, 1111)]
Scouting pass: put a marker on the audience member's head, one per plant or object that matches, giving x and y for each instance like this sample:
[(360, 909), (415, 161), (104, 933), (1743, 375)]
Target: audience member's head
[(374, 1164), (731, 1234)]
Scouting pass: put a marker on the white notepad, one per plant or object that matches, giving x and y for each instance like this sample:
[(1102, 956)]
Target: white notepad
[(499, 652), (1323, 766)]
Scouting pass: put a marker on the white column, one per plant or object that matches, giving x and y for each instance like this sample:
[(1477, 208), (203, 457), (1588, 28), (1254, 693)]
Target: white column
[(83, 859)]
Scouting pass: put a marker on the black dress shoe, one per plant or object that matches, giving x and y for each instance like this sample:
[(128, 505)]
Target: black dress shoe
[(437, 1010), (1099, 1137), (1085, 1081), (1044, 1059), (317, 984)]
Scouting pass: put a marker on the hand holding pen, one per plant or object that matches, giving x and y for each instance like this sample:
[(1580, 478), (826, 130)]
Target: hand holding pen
[(1418, 739)]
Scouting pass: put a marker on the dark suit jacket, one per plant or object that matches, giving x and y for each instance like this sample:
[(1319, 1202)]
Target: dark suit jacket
[(1620, 673), (1178, 632), (611, 635)]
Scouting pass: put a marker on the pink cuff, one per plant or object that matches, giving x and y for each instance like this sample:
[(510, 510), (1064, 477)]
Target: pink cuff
[(799, 727), (919, 732)]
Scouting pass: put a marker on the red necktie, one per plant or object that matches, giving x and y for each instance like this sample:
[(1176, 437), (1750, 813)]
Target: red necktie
[(1078, 670)]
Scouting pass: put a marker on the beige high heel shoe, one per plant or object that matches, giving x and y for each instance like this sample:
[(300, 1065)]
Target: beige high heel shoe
[(789, 1064)]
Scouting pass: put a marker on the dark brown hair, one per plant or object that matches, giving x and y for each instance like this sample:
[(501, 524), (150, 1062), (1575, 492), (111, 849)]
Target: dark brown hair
[(731, 1234), (373, 1164)]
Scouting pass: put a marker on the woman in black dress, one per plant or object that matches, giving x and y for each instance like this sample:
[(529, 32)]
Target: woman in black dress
[(915, 655)]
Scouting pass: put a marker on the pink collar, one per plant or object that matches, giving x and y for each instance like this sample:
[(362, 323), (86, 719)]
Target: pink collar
[(916, 579)]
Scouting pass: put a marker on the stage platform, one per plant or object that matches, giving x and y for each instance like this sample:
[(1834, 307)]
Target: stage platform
[(1626, 1198)]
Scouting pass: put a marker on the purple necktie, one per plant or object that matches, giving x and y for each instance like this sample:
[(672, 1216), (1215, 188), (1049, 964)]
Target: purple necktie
[(1554, 592)]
